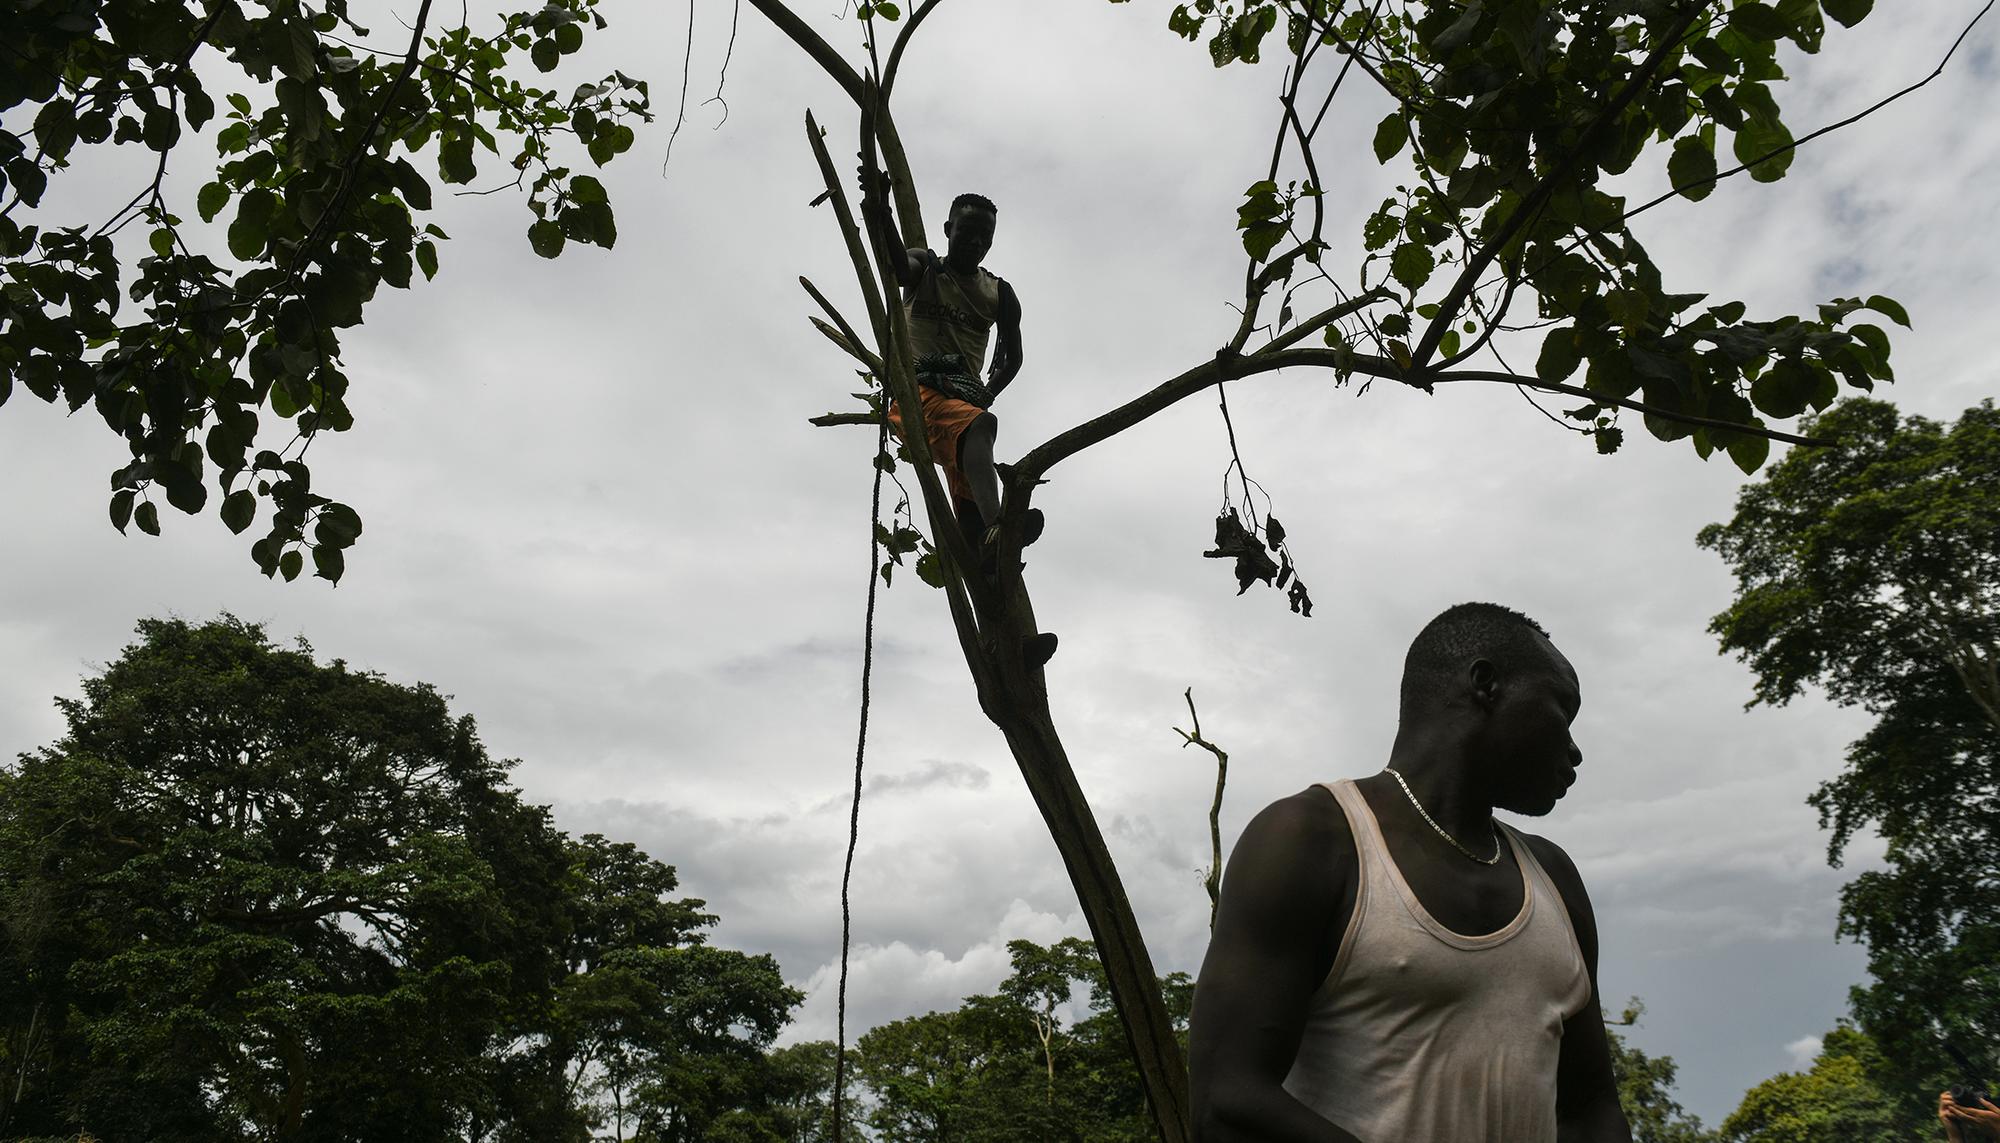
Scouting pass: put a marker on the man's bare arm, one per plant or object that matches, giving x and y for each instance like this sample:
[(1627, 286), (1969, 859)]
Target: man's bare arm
[(880, 222), (1276, 934), (1587, 1108), (1007, 348)]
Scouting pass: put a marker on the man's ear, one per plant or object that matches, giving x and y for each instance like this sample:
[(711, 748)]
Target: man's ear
[(1484, 679)]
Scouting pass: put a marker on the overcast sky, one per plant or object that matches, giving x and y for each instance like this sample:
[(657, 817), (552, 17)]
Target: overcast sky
[(596, 515)]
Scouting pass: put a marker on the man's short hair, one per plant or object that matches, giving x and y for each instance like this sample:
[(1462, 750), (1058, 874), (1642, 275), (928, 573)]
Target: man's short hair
[(978, 200), (1438, 655)]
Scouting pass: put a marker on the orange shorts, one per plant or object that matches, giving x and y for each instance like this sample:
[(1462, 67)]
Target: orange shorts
[(945, 420)]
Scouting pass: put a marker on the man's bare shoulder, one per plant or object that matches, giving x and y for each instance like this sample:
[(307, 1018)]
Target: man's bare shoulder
[(1310, 815), (1297, 845), (1568, 882), (1554, 860)]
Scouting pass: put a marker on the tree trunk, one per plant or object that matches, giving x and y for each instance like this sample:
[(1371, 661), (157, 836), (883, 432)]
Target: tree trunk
[(1017, 702)]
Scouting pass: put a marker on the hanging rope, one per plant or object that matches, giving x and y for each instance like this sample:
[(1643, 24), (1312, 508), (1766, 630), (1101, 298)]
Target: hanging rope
[(854, 812)]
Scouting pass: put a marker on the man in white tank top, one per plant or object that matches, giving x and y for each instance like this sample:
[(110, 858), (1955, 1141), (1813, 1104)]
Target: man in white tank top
[(1390, 964)]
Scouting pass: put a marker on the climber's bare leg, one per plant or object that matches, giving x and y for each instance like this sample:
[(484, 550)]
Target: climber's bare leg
[(975, 462)]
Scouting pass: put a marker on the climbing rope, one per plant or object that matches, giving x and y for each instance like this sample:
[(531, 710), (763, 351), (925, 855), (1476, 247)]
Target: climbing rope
[(854, 812)]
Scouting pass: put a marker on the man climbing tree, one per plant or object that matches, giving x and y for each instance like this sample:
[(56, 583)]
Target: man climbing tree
[(1389, 962), (954, 305)]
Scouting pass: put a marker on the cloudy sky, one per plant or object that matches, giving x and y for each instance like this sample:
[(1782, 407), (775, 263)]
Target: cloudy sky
[(596, 515)]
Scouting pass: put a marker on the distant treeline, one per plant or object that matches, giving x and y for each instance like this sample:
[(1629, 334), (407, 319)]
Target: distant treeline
[(252, 896)]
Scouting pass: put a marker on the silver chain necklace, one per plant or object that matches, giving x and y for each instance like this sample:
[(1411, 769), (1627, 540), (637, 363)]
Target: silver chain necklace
[(1455, 844)]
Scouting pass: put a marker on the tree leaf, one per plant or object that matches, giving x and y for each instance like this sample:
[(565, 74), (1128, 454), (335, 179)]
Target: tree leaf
[(211, 200), (1749, 452), (1889, 308), (546, 237), (1412, 264), (328, 563), (1759, 21), (1847, 12), (1692, 167), (1560, 355), (238, 509), (1390, 135), (121, 508), (147, 516)]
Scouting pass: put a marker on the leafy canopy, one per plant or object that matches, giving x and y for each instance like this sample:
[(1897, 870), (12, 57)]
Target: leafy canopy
[(325, 134), (1513, 114), (1873, 572), (254, 896)]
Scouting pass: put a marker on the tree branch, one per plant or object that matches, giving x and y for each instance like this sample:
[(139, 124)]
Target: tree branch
[(822, 53), (1193, 738), (1531, 204), (1830, 127)]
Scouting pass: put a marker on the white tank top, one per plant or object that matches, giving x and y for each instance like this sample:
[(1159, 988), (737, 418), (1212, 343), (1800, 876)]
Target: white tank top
[(1423, 1035)]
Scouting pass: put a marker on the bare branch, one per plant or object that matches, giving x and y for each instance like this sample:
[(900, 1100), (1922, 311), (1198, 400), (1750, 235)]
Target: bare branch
[(822, 53), (1319, 321), (828, 420), (1213, 883), (1071, 441), (902, 40), (853, 339), (848, 346)]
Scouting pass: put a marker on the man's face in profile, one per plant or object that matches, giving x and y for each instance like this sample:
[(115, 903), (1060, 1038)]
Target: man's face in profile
[(970, 234), (1532, 758)]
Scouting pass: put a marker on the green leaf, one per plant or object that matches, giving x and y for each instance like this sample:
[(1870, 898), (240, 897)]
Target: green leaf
[(1759, 21), (1560, 355), (1872, 336), (545, 54), (546, 237), (290, 564), (427, 258), (1390, 135), (585, 188), (569, 37), (1692, 167), (162, 129), (328, 563), (1891, 309), (162, 242), (187, 495), (121, 508), (147, 516), (338, 526), (1412, 264), (238, 509), (1847, 12), (248, 234), (1608, 438), (1749, 452), (211, 200), (1783, 389)]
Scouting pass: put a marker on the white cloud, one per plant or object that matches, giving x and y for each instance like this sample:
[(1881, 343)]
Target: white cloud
[(1803, 1052)]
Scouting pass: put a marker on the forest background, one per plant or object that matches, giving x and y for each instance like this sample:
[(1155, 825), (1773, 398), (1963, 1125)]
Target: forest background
[(596, 516)]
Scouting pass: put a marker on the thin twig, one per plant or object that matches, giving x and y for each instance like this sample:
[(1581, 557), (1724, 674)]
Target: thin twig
[(1213, 883), (1831, 127), (687, 67), (728, 54)]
